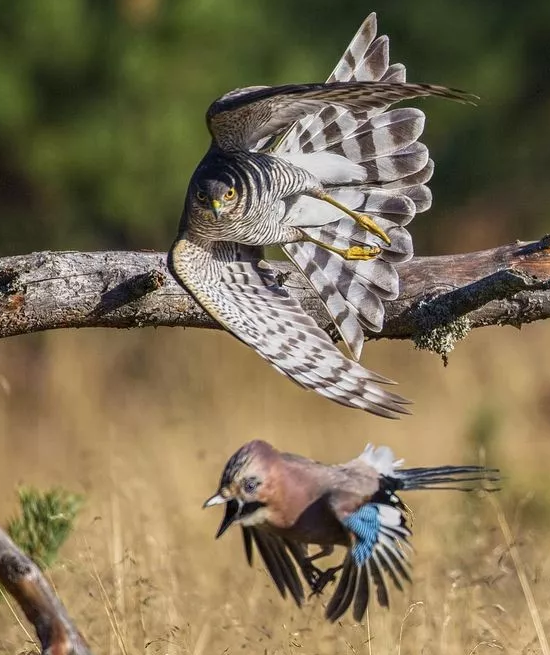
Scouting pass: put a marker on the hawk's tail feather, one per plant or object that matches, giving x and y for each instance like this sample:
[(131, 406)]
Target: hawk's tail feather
[(360, 305), (343, 149), (365, 59), (419, 178), (357, 286), (338, 131), (401, 163), (344, 233), (319, 276), (394, 205), (381, 169), (364, 285)]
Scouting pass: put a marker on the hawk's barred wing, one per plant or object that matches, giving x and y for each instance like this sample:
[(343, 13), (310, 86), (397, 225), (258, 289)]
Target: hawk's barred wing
[(367, 57), (252, 306), (241, 118)]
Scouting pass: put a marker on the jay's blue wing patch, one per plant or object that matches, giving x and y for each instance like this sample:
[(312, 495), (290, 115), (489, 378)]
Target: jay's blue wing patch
[(365, 525), (379, 551)]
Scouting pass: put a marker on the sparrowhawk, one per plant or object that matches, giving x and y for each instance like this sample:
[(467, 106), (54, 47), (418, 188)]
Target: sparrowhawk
[(333, 176)]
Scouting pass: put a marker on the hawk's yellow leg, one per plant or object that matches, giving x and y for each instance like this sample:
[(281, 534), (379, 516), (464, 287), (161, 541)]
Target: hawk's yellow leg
[(354, 253), (366, 222)]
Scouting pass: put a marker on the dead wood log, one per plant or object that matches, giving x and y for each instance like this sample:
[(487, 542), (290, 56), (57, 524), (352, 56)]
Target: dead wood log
[(441, 298)]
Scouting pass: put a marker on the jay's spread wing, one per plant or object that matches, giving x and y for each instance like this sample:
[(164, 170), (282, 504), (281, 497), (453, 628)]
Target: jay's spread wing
[(278, 562), (379, 550)]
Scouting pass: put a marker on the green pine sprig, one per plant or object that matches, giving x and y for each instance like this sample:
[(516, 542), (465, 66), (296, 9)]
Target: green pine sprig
[(47, 519)]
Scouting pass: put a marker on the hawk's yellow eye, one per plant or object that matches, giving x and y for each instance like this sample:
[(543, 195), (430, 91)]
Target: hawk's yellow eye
[(201, 197), (229, 194)]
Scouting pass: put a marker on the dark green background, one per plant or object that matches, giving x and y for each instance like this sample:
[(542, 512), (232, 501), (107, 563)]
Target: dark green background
[(102, 105)]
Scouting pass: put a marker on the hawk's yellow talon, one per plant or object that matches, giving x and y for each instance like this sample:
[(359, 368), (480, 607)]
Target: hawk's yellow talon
[(354, 253), (361, 252), (366, 222)]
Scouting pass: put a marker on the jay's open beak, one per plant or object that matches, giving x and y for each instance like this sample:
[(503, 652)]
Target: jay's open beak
[(217, 499), (232, 511)]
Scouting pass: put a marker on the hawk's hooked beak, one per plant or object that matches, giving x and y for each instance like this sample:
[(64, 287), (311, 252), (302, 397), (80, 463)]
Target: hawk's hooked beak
[(233, 509), (216, 208)]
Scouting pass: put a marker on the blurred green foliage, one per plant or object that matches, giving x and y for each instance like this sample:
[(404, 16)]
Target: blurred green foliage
[(482, 432), (102, 105), (47, 518)]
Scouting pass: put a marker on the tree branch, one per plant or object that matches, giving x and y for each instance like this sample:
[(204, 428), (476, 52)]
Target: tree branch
[(441, 297), (26, 583)]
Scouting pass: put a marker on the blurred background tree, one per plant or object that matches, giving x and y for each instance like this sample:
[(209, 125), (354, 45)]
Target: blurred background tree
[(102, 105)]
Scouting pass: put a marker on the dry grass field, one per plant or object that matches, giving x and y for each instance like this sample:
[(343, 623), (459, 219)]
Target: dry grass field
[(142, 422)]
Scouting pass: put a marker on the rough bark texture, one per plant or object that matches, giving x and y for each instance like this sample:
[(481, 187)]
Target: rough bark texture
[(441, 298), (25, 582)]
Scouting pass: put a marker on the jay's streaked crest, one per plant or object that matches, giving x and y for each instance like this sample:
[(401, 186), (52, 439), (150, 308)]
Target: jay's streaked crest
[(284, 502)]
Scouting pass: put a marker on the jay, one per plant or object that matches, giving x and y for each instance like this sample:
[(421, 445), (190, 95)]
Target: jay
[(284, 502)]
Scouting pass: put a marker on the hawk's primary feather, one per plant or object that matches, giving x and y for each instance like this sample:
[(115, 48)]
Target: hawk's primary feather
[(241, 118), (248, 301)]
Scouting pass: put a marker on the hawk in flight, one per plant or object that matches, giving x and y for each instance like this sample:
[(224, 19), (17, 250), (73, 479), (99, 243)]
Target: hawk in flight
[(332, 175)]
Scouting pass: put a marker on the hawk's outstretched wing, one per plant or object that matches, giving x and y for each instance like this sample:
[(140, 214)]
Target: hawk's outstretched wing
[(251, 305), (241, 118)]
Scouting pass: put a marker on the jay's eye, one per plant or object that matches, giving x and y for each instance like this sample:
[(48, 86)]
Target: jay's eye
[(229, 194), (250, 485)]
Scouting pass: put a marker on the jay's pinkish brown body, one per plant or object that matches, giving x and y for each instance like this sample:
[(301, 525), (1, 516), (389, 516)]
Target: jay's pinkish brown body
[(303, 497), (284, 502)]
